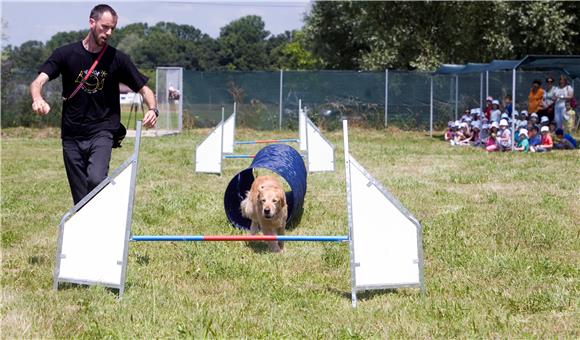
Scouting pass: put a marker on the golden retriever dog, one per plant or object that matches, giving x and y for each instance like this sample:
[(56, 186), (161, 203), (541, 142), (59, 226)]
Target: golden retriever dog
[(265, 205)]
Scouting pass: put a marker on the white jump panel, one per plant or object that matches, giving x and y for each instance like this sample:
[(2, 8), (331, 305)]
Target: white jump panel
[(229, 134), (386, 238), (94, 238), (208, 154), (320, 151)]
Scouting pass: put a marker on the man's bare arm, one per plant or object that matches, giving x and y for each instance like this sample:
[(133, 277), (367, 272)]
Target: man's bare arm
[(39, 105), (150, 118)]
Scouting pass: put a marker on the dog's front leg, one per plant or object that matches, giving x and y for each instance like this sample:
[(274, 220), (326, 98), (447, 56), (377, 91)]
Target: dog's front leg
[(254, 228), (273, 245), (281, 231)]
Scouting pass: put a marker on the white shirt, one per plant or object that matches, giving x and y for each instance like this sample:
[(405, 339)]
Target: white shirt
[(560, 93), (495, 115), (548, 96)]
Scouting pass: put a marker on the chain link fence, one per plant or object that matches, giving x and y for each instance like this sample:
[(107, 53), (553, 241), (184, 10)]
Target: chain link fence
[(269, 100)]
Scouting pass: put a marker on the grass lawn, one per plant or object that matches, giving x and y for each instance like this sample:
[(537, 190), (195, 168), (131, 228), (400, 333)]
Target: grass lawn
[(501, 240)]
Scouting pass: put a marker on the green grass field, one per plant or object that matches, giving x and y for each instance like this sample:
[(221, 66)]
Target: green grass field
[(501, 240)]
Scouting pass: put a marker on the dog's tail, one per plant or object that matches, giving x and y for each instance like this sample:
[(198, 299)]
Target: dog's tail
[(247, 207)]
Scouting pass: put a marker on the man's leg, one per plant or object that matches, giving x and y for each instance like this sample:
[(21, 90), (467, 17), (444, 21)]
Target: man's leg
[(99, 158), (74, 163)]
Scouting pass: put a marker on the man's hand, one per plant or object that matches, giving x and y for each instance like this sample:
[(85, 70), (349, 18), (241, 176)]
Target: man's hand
[(41, 107), (150, 119)]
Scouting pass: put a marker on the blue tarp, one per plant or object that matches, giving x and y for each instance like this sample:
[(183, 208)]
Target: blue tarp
[(568, 64), (450, 69), (474, 68)]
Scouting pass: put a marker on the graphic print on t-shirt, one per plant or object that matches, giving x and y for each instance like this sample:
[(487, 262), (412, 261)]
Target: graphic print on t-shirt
[(94, 83)]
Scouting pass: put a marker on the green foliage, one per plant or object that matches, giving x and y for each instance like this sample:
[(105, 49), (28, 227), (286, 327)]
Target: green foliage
[(424, 34), (242, 45), (292, 53)]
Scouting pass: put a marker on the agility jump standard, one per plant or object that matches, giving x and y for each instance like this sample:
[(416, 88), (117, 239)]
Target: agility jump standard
[(384, 238), (219, 145)]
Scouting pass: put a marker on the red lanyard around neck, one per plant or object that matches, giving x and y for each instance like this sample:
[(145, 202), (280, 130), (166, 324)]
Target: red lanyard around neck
[(86, 77)]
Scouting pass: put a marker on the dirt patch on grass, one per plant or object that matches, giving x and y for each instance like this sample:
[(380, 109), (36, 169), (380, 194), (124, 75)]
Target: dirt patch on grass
[(22, 132)]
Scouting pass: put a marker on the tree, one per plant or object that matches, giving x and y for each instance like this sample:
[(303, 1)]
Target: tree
[(242, 45), (543, 27), (422, 35), (288, 51), (63, 38)]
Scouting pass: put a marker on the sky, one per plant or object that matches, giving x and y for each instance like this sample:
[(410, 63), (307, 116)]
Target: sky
[(39, 20)]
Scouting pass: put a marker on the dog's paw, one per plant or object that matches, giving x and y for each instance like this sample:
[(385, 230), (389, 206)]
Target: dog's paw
[(274, 247)]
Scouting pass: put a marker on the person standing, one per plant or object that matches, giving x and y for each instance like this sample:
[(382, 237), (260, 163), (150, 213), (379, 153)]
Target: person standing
[(536, 97), (548, 109), (562, 95), (91, 112)]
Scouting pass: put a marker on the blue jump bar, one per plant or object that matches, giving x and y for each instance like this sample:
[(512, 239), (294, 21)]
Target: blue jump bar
[(239, 156), (287, 140), (247, 156), (196, 238)]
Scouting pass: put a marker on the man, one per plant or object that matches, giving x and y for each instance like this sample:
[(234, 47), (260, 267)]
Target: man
[(91, 113)]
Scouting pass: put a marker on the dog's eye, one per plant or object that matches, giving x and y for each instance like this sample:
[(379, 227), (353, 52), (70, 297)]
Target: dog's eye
[(263, 200), (275, 200)]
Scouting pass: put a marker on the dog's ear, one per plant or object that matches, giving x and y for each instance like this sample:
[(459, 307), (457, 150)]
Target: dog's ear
[(282, 199)]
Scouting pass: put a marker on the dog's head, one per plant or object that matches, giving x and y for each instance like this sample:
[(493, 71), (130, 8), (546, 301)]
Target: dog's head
[(271, 201)]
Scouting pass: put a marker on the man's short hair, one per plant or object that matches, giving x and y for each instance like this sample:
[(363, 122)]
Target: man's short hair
[(537, 81), (98, 11)]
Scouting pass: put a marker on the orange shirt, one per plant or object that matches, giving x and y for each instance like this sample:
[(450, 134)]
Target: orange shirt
[(535, 100)]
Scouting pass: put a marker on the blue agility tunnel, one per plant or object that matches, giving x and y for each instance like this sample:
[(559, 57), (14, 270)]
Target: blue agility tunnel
[(280, 159)]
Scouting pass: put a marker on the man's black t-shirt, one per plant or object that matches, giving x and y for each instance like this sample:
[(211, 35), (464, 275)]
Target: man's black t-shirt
[(96, 106)]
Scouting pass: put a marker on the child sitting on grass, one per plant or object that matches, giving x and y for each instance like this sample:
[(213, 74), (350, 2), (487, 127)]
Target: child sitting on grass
[(483, 135), (495, 112), (476, 133), (449, 133), (523, 143), (504, 136), (564, 141), (491, 142), (546, 142), (534, 136), (465, 135)]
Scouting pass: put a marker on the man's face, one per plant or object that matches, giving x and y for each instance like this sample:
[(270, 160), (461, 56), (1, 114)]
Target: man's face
[(103, 28)]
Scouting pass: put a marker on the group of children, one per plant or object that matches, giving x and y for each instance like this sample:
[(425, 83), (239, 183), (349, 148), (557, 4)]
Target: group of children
[(494, 131)]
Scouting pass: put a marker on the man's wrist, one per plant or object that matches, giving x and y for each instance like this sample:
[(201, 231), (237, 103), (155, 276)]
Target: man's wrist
[(154, 109)]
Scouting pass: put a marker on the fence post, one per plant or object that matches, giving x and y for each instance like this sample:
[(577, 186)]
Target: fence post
[(513, 107), (281, 87), (431, 110), (486, 84), (456, 94), (386, 95), (481, 91)]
